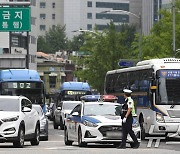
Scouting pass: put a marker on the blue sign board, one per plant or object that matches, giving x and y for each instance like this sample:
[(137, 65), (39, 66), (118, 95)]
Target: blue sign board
[(126, 63)]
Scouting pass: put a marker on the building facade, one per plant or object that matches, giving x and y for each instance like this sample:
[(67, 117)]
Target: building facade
[(50, 14), (86, 14), (150, 9), (17, 49)]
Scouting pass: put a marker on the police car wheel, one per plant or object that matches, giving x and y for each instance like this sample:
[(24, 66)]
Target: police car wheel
[(55, 124), (66, 140), (132, 145), (80, 143), (143, 133), (61, 124)]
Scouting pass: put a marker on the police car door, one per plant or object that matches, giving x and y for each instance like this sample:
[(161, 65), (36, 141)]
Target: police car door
[(73, 122)]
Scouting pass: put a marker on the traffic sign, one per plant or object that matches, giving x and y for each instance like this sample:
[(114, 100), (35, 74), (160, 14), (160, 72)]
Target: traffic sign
[(15, 19), (126, 63)]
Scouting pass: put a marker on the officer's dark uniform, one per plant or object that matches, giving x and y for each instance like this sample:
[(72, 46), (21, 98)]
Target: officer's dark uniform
[(127, 126)]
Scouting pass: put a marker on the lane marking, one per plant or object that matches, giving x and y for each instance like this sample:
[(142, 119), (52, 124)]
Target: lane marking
[(172, 143)]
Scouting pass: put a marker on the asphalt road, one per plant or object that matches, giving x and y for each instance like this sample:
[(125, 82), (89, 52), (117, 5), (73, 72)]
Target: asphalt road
[(55, 145)]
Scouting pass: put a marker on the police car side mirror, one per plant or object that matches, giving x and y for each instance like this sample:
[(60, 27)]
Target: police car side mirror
[(59, 108), (75, 114)]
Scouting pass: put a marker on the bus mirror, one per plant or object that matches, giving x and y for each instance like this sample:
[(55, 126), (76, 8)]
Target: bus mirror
[(153, 87)]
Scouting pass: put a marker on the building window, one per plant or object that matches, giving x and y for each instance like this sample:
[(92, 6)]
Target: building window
[(33, 40), (114, 6), (114, 17), (89, 4), (33, 58), (89, 26), (52, 81), (42, 16), (33, 21), (33, 2), (42, 27), (53, 26), (53, 16), (53, 5), (42, 5), (89, 15)]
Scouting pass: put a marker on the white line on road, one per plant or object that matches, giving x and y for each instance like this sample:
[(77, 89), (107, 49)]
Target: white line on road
[(172, 143)]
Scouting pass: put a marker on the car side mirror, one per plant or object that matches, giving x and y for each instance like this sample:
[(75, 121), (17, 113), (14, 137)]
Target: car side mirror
[(26, 109), (75, 114), (59, 108)]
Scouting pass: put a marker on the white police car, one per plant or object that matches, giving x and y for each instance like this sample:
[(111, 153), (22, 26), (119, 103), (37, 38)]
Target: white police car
[(96, 122)]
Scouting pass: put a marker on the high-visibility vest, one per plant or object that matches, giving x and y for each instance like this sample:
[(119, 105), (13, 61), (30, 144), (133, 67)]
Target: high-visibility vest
[(133, 112)]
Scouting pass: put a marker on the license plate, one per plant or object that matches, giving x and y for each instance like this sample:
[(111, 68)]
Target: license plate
[(114, 134)]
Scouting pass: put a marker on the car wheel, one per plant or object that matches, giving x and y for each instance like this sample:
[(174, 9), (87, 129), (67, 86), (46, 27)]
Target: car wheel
[(132, 145), (35, 140), (55, 124), (116, 144), (44, 138), (66, 140), (80, 143), (20, 142), (143, 133), (61, 124)]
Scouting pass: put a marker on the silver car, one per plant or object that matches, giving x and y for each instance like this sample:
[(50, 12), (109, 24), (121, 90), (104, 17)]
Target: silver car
[(43, 122), (63, 109)]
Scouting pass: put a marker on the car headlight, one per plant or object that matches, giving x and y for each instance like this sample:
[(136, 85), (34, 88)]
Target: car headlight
[(159, 117), (10, 119), (89, 124)]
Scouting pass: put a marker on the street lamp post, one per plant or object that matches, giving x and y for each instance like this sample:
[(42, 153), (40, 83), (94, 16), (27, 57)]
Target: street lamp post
[(140, 26), (174, 28)]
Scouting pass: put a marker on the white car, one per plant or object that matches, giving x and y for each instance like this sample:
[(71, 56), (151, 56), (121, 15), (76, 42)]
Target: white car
[(96, 122), (63, 109), (43, 122), (19, 122)]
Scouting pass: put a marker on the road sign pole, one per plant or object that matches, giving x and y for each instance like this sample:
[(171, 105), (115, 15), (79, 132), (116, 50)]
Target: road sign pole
[(27, 56)]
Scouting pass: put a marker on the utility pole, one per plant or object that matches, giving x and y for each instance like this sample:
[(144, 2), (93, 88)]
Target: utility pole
[(174, 28)]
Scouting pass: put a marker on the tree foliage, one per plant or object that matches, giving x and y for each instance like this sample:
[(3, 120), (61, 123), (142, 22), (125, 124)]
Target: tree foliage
[(54, 40), (106, 49), (159, 44)]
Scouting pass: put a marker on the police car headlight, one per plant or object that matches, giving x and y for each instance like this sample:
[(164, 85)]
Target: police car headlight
[(89, 124), (159, 117), (10, 119)]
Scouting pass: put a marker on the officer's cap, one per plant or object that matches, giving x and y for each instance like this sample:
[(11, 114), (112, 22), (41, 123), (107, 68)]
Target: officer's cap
[(127, 91)]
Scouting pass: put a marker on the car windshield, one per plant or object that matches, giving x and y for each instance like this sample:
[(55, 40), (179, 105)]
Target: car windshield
[(102, 109), (69, 106), (9, 105)]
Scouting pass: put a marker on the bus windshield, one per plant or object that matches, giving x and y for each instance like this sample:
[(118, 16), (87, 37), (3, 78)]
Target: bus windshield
[(31, 90), (169, 87), (73, 95)]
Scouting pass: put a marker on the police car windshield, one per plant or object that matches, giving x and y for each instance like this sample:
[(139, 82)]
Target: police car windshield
[(70, 105), (102, 109)]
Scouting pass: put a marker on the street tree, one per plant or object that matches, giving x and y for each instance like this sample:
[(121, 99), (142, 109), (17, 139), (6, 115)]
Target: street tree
[(159, 43), (54, 40), (106, 49)]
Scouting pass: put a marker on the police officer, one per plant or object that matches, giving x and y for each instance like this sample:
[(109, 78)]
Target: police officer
[(128, 112)]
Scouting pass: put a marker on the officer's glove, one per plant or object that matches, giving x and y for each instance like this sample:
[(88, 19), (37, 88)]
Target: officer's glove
[(124, 120)]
